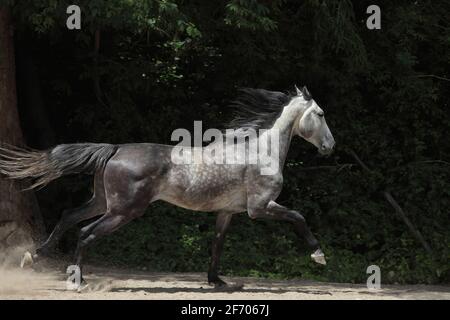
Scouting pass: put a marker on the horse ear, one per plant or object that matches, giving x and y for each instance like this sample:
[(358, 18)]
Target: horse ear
[(306, 93), (299, 92)]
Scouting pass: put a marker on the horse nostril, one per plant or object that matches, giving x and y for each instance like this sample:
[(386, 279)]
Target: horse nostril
[(323, 146)]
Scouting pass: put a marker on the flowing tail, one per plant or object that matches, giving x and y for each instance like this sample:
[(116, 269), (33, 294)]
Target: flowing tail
[(45, 166)]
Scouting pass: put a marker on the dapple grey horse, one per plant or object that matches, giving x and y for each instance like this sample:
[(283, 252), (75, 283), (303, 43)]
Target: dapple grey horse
[(129, 177)]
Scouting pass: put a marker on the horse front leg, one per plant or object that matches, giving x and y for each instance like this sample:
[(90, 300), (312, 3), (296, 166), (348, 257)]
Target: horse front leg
[(278, 212), (222, 224)]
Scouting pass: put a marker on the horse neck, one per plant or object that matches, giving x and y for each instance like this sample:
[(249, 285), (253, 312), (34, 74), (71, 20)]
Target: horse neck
[(285, 125)]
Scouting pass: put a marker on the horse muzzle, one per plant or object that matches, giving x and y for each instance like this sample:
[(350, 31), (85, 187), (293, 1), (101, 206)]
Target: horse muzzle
[(326, 149)]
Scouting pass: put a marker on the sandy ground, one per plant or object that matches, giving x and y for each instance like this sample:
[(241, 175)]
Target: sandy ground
[(126, 284)]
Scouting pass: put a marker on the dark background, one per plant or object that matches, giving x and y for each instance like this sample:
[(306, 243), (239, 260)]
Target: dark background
[(139, 69)]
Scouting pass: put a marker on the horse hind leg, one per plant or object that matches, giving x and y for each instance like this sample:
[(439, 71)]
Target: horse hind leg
[(127, 195), (69, 219), (94, 207), (105, 225)]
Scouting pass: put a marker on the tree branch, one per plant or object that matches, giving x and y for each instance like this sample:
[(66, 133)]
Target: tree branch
[(432, 76), (420, 163), (338, 167), (362, 164), (405, 219), (388, 196)]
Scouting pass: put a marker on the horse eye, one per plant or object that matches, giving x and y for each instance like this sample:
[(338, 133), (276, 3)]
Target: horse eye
[(320, 114)]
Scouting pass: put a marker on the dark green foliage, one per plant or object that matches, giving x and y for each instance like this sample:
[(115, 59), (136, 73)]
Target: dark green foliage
[(163, 64)]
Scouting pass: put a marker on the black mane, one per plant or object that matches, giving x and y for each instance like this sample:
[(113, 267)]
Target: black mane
[(258, 108)]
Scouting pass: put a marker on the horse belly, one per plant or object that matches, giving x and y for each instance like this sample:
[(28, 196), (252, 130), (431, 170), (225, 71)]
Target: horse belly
[(234, 201), (206, 193)]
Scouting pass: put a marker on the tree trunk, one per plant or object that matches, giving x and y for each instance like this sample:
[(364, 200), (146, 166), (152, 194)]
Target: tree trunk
[(20, 222), (33, 114)]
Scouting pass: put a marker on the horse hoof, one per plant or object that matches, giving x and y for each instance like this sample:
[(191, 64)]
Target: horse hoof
[(236, 286), (229, 287), (222, 286), (27, 260), (319, 257)]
